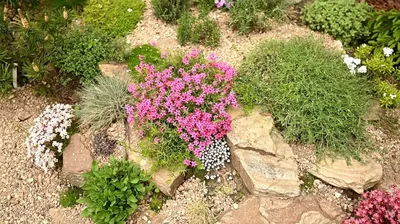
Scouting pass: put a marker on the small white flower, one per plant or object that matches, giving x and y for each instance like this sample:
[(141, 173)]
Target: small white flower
[(384, 94), (356, 61), (129, 10), (362, 69), (392, 96), (363, 45), (387, 51)]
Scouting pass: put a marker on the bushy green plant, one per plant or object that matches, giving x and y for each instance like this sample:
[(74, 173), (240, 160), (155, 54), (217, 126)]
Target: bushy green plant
[(79, 51), (69, 197), (389, 95), (116, 17), (103, 103), (378, 64), (205, 6), (249, 15), (344, 19), (198, 30), (169, 10), (112, 192), (385, 30), (308, 90), (5, 78), (149, 53)]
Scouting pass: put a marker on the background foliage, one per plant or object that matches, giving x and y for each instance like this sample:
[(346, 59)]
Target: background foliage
[(169, 10)]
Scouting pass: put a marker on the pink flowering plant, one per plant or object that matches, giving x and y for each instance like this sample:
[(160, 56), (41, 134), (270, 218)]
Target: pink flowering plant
[(187, 100), (378, 207)]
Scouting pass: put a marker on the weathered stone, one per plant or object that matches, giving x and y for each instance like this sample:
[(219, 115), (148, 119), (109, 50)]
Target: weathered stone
[(353, 175), (374, 113), (23, 116), (165, 180), (65, 216), (116, 70), (272, 210), (253, 132), (77, 160)]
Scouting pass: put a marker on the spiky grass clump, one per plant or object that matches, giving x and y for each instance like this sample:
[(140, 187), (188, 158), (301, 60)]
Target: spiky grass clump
[(199, 213), (309, 91), (103, 103)]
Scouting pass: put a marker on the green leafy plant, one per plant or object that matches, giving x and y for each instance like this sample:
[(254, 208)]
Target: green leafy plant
[(205, 6), (112, 192), (115, 17), (250, 15), (169, 10), (198, 30), (378, 64), (385, 30), (344, 19), (149, 53), (389, 95), (79, 51), (5, 78), (103, 103), (309, 91), (157, 201), (69, 197)]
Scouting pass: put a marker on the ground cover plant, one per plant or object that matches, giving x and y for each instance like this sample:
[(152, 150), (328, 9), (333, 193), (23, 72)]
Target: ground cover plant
[(103, 103), (147, 52), (112, 192), (5, 78), (309, 91), (115, 17), (69, 197), (169, 10), (250, 15), (182, 105), (201, 30), (343, 19)]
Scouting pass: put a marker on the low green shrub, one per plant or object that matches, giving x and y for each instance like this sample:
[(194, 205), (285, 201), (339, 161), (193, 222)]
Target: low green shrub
[(344, 19), (389, 95), (149, 53), (205, 6), (169, 10), (115, 17), (79, 51), (5, 78), (112, 192), (69, 197), (198, 30), (250, 15), (103, 103), (385, 31), (308, 90)]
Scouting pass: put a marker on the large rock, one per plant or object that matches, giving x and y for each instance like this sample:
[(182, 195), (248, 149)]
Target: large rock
[(353, 175), (77, 160), (272, 210), (262, 158), (116, 70)]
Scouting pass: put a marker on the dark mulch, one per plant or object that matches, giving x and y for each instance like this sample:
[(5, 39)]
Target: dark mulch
[(384, 4)]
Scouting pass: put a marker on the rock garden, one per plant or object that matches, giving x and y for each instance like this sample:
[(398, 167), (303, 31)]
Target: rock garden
[(199, 112)]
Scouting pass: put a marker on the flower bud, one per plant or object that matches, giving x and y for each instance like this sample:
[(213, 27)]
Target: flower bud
[(46, 38), (65, 13), (46, 18), (35, 67)]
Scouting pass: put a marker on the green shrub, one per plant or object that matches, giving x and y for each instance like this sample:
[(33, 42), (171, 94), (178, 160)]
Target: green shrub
[(385, 30), (79, 51), (198, 30), (344, 19), (69, 197), (112, 192), (116, 17), (5, 78), (169, 10), (150, 55), (103, 103), (389, 95), (205, 6), (308, 90), (250, 15)]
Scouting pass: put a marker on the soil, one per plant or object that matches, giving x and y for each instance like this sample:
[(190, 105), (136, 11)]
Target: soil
[(385, 4)]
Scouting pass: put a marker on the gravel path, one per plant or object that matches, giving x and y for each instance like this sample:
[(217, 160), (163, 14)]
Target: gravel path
[(26, 192)]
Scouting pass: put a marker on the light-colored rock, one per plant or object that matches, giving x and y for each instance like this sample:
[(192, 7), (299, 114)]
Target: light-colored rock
[(77, 160), (353, 175), (65, 216), (374, 113), (273, 210), (314, 217), (253, 132), (24, 115), (116, 70)]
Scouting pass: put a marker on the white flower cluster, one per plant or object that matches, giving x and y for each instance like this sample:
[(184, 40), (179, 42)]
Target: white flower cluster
[(387, 51), (392, 96), (353, 63), (41, 143), (215, 156)]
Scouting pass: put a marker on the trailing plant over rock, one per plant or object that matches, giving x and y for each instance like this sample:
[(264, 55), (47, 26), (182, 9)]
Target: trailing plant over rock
[(190, 98), (112, 192), (48, 135)]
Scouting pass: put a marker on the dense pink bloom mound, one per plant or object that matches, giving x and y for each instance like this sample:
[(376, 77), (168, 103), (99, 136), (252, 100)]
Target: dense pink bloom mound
[(192, 99), (378, 207)]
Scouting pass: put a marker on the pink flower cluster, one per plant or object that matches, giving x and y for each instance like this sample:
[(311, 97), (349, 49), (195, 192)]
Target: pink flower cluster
[(191, 99), (378, 207)]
